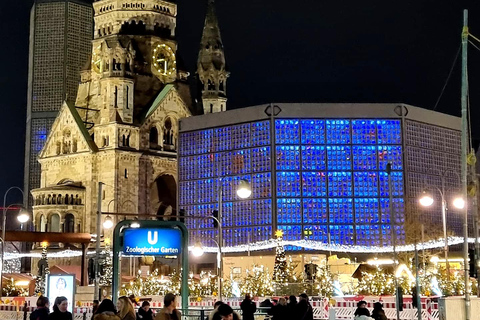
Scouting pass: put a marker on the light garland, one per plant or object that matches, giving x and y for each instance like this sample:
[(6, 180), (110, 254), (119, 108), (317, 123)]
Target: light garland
[(321, 246), (269, 244)]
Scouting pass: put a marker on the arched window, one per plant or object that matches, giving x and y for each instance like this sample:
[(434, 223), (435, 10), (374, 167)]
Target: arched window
[(54, 223), (69, 225), (211, 108), (42, 226), (211, 85), (220, 87), (153, 138)]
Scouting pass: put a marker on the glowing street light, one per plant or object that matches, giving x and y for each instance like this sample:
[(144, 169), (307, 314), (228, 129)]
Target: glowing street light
[(459, 203), (108, 223), (197, 250), (426, 199), (23, 216), (244, 190)]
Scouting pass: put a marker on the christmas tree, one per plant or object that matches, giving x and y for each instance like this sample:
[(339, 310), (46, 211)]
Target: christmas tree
[(43, 271), (376, 283), (280, 269), (107, 274), (324, 282), (257, 282)]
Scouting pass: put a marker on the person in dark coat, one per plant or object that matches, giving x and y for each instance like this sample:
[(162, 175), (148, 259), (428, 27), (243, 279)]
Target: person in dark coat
[(144, 312), (42, 311), (248, 308), (106, 311), (304, 309), (361, 305), (60, 310), (225, 312), (378, 313), (292, 306), (280, 310)]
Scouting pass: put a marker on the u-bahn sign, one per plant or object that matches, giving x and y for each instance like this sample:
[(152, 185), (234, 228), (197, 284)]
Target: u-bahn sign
[(152, 242)]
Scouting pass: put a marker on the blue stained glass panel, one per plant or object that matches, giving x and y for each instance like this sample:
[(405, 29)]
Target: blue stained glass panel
[(398, 210), (341, 211), (261, 233), (288, 184), (241, 161), (287, 131), (289, 211), (261, 159), (365, 184), (260, 133), (366, 211), (288, 158), (241, 136), (313, 131), (341, 234), (388, 154), (339, 184), (262, 185), (204, 164), (242, 213), (204, 140), (262, 212), (222, 140), (364, 157), (364, 132), (339, 158), (368, 235), (338, 131), (313, 158), (314, 184), (316, 233), (315, 211), (291, 232), (397, 184), (389, 132)]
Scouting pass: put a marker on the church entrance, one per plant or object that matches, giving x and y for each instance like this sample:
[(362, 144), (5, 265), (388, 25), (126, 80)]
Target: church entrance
[(163, 196)]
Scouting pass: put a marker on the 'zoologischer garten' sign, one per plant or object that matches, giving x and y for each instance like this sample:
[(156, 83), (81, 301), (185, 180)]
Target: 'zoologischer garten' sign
[(152, 242)]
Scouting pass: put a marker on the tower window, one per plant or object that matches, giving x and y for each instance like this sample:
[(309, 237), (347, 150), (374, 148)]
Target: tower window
[(126, 173), (220, 87), (127, 98), (116, 91), (211, 108)]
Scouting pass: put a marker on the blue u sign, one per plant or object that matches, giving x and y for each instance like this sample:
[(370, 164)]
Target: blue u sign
[(152, 242)]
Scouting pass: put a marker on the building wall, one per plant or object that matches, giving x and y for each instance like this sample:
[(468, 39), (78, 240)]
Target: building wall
[(60, 46), (317, 178)]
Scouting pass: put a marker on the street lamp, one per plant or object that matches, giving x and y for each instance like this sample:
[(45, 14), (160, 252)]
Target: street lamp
[(243, 191), (23, 216), (197, 250), (108, 223), (4, 223), (426, 200)]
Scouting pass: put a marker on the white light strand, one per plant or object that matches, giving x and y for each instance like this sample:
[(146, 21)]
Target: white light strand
[(269, 244), (320, 246)]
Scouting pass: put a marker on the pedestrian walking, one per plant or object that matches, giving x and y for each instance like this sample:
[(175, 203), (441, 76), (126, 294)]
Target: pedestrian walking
[(280, 310), (106, 311), (60, 310), (248, 308), (363, 314), (42, 311), (304, 308), (125, 309), (360, 306), (378, 313), (169, 311), (144, 312)]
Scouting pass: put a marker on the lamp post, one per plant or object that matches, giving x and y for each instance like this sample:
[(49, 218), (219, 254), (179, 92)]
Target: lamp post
[(426, 200), (243, 191), (4, 223)]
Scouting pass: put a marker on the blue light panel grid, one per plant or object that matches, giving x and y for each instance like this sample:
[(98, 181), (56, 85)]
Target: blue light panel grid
[(262, 185), (339, 158), (313, 158), (287, 132), (338, 132), (341, 211), (288, 184), (365, 184), (364, 132), (288, 158), (313, 131), (364, 158), (330, 176), (340, 184), (314, 184), (289, 211), (315, 211)]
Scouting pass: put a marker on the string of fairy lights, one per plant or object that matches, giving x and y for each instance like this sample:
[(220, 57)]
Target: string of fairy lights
[(269, 244)]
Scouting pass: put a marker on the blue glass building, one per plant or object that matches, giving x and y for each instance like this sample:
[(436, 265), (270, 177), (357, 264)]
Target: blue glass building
[(317, 171)]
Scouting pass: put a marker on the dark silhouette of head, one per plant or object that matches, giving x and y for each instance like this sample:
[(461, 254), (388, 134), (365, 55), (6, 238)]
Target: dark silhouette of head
[(106, 305)]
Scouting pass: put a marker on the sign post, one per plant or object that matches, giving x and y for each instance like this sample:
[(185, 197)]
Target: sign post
[(151, 238)]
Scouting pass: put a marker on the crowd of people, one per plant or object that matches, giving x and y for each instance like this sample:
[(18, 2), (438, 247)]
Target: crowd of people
[(282, 309)]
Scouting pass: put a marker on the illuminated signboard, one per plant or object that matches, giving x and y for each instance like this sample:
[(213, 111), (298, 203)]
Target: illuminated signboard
[(61, 285), (152, 242)]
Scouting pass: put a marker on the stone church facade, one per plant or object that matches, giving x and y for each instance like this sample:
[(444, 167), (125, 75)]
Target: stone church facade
[(122, 130)]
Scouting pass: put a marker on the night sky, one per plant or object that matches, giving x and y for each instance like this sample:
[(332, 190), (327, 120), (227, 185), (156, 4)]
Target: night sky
[(289, 51)]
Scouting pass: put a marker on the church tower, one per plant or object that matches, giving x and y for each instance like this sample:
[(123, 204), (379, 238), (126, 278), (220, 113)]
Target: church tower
[(211, 67), (121, 132)]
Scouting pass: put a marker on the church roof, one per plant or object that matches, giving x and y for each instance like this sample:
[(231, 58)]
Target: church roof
[(148, 111), (81, 126), (211, 46)]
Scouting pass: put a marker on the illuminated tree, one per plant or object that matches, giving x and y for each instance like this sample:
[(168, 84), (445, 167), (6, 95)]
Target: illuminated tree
[(43, 271)]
